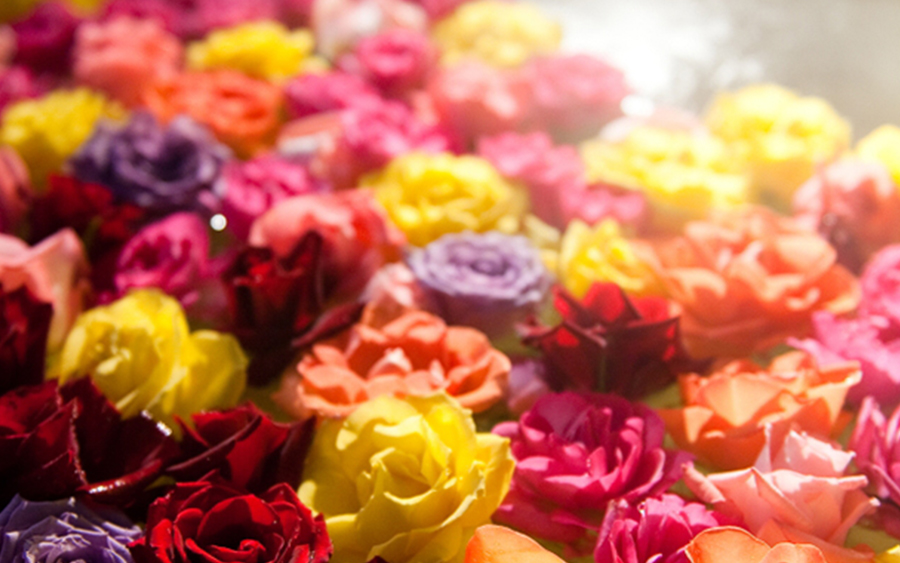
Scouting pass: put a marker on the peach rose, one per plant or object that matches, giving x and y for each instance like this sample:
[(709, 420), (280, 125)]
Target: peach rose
[(413, 354), (725, 417), (55, 270), (749, 279), (244, 113), (734, 545)]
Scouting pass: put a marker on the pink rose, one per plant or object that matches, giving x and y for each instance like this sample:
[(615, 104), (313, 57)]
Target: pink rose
[(798, 494), (15, 190), (55, 270), (880, 283), (855, 205), (253, 187), (358, 238), (124, 56), (18, 83), (396, 61), (311, 94), (207, 15), (600, 201), (574, 96), (340, 24), (876, 442)]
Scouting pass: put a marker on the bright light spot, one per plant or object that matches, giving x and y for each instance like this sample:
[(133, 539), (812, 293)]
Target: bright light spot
[(218, 222)]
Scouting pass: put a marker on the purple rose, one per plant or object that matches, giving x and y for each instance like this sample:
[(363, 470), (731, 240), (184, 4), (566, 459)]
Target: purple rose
[(880, 284), (310, 94), (65, 530), (158, 168), (657, 530), (576, 452), (255, 186), (486, 281), (44, 39)]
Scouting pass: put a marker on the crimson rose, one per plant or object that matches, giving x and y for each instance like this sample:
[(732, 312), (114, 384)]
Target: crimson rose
[(24, 324)]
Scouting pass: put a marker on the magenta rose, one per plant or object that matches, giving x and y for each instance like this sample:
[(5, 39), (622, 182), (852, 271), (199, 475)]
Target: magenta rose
[(396, 61), (314, 93), (576, 452), (876, 443), (880, 282), (44, 39), (24, 324)]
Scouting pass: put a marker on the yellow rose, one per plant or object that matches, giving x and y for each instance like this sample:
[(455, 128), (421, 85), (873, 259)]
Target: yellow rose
[(141, 354), (780, 135), (602, 254), (265, 50), (408, 480), (430, 195), (503, 34), (882, 145), (684, 175), (47, 131), (890, 556)]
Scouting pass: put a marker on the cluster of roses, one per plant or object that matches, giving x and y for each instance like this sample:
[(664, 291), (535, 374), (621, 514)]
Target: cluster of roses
[(311, 280)]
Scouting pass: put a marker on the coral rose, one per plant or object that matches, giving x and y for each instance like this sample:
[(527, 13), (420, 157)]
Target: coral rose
[(725, 418), (496, 544), (749, 279), (735, 545), (414, 354)]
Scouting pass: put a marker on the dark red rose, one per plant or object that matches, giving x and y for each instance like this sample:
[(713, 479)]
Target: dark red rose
[(611, 343), (24, 324), (277, 305), (213, 522), (245, 446), (56, 442), (44, 39)]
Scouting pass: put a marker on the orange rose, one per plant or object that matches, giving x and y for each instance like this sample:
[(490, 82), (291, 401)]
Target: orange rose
[(413, 354), (734, 545), (725, 417), (496, 544), (749, 279), (244, 113)]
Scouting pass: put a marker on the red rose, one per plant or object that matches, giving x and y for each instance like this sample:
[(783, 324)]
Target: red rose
[(245, 446), (24, 325), (56, 442), (213, 522), (611, 343)]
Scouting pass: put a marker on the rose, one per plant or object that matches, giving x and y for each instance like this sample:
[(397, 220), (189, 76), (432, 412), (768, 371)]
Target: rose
[(253, 187), (658, 530), (854, 205), (61, 441), (171, 254), (874, 441), (560, 488), (18, 83), (244, 446), (749, 279), (738, 546), (428, 196), (141, 354), (358, 239), (880, 146), (310, 94), (218, 523), (15, 190), (244, 113), (66, 530), (168, 14), (608, 342), (880, 282), (54, 271), (340, 24), (414, 354), (124, 56), (208, 15), (419, 460), (397, 61), (44, 39), (487, 281), (725, 415), (48, 130), (158, 168), (24, 324), (496, 544)]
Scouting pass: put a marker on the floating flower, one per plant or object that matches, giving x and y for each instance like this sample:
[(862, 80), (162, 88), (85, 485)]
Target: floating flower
[(419, 460)]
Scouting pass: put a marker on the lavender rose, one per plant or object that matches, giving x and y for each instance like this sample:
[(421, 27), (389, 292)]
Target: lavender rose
[(486, 281), (158, 168), (66, 530)]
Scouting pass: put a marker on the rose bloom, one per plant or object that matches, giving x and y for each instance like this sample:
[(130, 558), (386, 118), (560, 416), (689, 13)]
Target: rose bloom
[(396, 61), (497, 33), (880, 146), (158, 168), (19, 83), (725, 415), (358, 237), (15, 190), (125, 56), (880, 282), (244, 113), (55, 271), (24, 324), (418, 460), (215, 522), (684, 174), (795, 493), (874, 440), (749, 279), (48, 130), (428, 196), (739, 546), (65, 530), (264, 50), (780, 136), (141, 354), (576, 452), (340, 24), (496, 544), (413, 354), (310, 94), (44, 39)]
